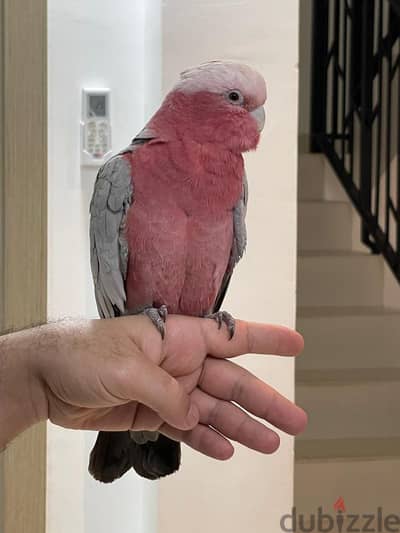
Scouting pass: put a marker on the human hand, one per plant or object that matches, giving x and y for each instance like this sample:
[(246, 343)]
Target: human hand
[(118, 374)]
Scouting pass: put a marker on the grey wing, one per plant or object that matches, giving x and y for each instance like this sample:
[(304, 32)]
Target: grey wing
[(239, 242), (112, 196)]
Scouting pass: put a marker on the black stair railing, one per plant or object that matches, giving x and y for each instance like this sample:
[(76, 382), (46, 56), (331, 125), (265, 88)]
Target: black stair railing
[(356, 111)]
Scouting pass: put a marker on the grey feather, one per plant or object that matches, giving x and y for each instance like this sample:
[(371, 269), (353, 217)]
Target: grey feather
[(239, 226), (145, 135), (112, 196), (239, 242), (109, 253)]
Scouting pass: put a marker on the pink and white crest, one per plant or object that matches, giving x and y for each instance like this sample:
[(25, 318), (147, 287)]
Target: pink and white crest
[(222, 76)]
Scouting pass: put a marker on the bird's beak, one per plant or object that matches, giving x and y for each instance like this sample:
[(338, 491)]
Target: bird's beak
[(259, 116)]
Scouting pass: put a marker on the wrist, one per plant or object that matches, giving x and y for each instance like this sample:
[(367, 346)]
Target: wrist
[(22, 394)]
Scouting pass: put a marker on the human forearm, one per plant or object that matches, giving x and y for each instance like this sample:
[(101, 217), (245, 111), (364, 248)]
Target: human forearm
[(22, 397)]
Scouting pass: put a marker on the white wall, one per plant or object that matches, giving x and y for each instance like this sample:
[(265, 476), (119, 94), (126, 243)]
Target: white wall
[(95, 43), (251, 492)]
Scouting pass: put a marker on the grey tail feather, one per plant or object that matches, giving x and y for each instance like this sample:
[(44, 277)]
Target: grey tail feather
[(114, 453)]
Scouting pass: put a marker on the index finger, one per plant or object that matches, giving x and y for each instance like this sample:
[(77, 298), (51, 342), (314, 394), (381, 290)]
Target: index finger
[(251, 337)]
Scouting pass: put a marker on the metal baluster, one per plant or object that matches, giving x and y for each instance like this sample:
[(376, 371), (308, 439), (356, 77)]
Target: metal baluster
[(367, 55), (319, 72), (379, 116)]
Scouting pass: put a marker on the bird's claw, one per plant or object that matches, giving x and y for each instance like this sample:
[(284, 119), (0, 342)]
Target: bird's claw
[(158, 316), (223, 317)]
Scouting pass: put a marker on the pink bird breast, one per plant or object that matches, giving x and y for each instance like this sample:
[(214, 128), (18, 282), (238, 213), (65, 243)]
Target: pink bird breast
[(180, 227), (187, 181)]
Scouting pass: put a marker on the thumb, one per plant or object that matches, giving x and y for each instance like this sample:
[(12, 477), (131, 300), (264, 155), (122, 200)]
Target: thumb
[(150, 385)]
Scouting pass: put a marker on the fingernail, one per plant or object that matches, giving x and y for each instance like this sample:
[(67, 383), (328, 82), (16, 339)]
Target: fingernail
[(192, 416)]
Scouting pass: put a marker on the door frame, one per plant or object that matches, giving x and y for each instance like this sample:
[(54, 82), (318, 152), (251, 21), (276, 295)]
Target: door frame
[(23, 235)]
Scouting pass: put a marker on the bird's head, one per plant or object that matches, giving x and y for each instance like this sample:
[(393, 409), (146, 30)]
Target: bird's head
[(219, 102)]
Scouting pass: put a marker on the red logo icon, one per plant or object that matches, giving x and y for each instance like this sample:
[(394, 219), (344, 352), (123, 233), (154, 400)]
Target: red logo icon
[(339, 505)]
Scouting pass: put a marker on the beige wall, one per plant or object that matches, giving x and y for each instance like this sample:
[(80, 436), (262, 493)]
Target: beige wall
[(251, 492), (23, 243)]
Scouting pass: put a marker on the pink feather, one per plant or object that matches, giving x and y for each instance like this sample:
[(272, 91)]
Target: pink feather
[(186, 184)]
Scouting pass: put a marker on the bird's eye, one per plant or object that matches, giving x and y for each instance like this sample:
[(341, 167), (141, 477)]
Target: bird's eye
[(235, 97)]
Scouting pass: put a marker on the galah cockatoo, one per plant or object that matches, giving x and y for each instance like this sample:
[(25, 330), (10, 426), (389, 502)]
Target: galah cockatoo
[(168, 225)]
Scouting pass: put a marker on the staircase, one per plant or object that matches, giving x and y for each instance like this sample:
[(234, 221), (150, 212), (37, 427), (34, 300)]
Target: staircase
[(348, 378)]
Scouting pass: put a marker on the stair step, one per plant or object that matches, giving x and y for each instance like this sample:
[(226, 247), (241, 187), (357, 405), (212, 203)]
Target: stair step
[(339, 376), (325, 225), (348, 378), (373, 448), (339, 279), (349, 409), (349, 338), (317, 180), (364, 484)]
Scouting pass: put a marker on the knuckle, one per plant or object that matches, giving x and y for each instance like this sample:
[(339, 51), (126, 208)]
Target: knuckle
[(238, 388), (241, 424), (270, 405), (214, 413), (201, 440), (249, 339)]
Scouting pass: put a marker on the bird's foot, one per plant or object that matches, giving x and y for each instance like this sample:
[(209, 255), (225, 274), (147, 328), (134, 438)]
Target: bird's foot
[(158, 315), (222, 317)]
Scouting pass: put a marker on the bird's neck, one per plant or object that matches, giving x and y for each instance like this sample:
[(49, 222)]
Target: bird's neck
[(201, 175), (210, 174)]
